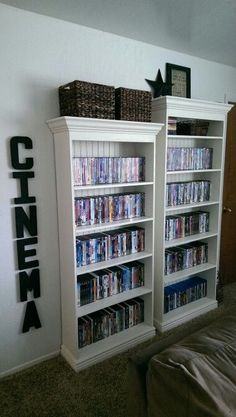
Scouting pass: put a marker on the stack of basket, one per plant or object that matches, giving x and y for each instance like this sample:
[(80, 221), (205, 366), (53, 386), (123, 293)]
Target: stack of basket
[(84, 99)]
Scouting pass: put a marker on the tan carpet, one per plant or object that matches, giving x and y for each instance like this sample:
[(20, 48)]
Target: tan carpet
[(53, 389)]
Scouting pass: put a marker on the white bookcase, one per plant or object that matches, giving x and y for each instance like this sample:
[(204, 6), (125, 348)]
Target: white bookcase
[(187, 110), (83, 137)]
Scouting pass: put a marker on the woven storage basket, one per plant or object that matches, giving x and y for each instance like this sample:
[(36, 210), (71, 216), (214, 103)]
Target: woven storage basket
[(133, 105), (84, 99)]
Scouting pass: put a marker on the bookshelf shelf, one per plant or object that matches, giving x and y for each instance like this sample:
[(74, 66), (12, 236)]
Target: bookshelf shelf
[(109, 226), (116, 185), (183, 207), (113, 262), (114, 299), (192, 171), (189, 124), (106, 348), (188, 239), (94, 138), (195, 137), (180, 275), (187, 312)]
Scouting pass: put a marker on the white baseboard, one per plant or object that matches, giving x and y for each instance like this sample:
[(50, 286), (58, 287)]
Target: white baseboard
[(29, 364)]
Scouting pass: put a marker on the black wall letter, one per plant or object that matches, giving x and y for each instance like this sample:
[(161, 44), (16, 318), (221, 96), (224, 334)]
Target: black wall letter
[(26, 222), (29, 162), (23, 220), (29, 283), (31, 317), (23, 177), (22, 253)]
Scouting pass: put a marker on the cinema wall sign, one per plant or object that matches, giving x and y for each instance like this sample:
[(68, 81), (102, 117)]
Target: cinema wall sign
[(26, 221)]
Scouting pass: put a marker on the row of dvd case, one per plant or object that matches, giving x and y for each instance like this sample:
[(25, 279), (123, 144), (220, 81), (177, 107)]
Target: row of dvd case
[(184, 292), (108, 208), (187, 192), (182, 126), (185, 256), (189, 158), (100, 247), (109, 321), (108, 170), (107, 282), (186, 224)]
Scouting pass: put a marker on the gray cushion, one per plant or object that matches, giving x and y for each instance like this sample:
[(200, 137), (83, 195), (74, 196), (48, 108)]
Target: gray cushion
[(197, 376), (138, 362)]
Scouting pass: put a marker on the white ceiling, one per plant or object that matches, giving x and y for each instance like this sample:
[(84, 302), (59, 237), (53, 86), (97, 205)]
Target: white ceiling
[(204, 28)]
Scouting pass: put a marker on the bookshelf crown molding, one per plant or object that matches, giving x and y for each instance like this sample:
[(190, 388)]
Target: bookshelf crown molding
[(121, 127), (203, 109)]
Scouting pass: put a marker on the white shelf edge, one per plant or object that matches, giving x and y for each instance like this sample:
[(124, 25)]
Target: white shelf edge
[(114, 299), (113, 262), (187, 312), (109, 126), (193, 171), (207, 110), (116, 185), (180, 275), (189, 206), (104, 226), (108, 347), (195, 137), (188, 239)]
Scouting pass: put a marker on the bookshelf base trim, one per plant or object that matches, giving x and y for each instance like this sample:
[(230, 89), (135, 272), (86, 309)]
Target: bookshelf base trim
[(83, 361), (184, 316)]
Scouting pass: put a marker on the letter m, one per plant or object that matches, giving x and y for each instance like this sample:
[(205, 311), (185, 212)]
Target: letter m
[(29, 283)]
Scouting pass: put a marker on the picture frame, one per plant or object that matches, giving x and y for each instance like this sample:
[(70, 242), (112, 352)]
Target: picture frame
[(179, 80)]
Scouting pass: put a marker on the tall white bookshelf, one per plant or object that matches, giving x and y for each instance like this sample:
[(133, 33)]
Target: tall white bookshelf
[(83, 137), (188, 111)]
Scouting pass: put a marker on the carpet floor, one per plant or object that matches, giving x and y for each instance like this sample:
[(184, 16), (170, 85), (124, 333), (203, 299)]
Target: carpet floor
[(53, 389)]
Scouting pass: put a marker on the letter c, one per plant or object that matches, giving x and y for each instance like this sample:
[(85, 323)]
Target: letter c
[(29, 162)]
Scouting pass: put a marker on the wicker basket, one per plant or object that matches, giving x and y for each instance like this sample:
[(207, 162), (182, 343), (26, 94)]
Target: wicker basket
[(134, 105), (84, 99)]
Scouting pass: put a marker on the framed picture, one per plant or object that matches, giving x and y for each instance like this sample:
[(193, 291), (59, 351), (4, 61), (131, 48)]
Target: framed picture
[(180, 78)]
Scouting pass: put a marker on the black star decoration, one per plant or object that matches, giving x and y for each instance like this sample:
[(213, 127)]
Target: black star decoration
[(159, 88)]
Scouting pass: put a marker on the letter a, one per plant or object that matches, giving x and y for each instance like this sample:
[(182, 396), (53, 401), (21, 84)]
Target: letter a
[(31, 317)]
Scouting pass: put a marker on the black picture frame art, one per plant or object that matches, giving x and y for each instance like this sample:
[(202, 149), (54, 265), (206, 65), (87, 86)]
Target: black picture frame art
[(180, 80)]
